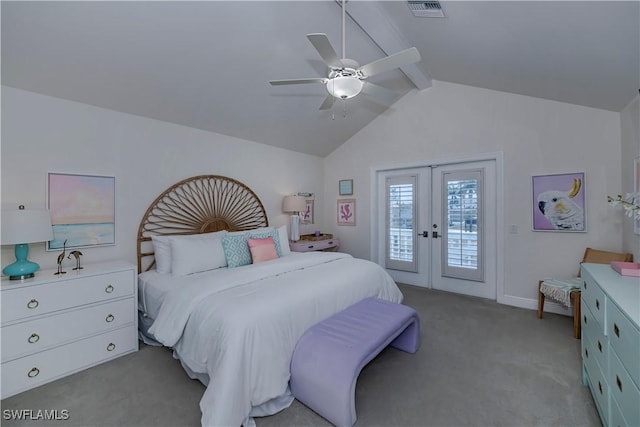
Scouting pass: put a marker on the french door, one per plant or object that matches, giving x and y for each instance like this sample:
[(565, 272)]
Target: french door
[(439, 226)]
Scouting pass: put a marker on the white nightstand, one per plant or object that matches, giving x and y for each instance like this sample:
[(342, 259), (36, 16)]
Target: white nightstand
[(55, 325), (314, 245)]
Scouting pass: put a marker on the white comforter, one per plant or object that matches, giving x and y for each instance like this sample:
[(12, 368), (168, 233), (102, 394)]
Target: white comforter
[(240, 326)]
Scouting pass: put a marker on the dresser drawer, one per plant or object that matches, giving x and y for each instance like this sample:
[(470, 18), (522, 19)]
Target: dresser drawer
[(596, 379), (21, 302), (624, 338), (624, 391), (29, 337), (594, 298), (616, 418), (594, 331), (31, 371)]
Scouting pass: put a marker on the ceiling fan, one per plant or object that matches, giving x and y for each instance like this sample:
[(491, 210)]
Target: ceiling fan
[(346, 78)]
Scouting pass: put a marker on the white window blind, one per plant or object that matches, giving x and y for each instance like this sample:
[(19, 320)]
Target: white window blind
[(400, 223), (462, 197)]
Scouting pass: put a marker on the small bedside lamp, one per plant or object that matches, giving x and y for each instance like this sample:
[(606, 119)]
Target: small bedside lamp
[(295, 205), (21, 227)]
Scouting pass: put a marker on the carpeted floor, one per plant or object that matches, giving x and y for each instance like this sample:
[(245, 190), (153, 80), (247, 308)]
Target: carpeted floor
[(480, 364)]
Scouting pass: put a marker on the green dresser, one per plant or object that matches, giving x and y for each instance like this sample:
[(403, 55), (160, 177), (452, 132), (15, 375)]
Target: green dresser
[(611, 343)]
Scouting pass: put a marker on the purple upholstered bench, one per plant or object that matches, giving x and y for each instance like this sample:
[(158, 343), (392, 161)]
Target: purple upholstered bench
[(330, 355)]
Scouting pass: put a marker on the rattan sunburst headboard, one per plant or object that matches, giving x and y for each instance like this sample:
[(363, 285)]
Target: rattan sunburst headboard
[(200, 204)]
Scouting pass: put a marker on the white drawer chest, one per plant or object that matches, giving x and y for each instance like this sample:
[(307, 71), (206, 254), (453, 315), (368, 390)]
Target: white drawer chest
[(55, 325), (611, 343)]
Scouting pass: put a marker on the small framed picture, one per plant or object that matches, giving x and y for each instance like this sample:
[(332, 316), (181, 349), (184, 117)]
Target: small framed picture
[(306, 216), (346, 212), (345, 187), (559, 202)]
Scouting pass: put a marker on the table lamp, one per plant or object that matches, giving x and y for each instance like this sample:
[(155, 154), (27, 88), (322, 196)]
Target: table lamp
[(21, 227), (295, 205)]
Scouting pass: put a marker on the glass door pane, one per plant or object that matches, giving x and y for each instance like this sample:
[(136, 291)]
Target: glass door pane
[(400, 223), (462, 198)]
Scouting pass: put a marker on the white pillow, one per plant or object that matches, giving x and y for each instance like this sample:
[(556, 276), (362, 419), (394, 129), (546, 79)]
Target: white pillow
[(162, 253), (196, 252), (284, 240)]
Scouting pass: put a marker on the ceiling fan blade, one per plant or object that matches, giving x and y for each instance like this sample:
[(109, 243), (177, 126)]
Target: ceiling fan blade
[(327, 103), (397, 60), (324, 48), (297, 81), (379, 93)]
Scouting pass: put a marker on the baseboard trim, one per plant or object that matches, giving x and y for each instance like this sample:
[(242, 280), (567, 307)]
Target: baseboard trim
[(532, 304)]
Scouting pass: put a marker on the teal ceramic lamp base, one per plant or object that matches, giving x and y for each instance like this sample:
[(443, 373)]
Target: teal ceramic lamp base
[(22, 268)]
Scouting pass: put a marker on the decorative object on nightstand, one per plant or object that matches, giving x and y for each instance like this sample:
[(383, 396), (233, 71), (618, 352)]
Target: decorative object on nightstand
[(294, 205), (313, 242), (21, 227), (76, 255), (61, 258)]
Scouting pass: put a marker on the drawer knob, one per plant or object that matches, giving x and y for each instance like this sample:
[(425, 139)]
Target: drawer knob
[(33, 304), (600, 346), (34, 338), (585, 319), (597, 304), (586, 352), (600, 387), (33, 372), (111, 347), (619, 383), (616, 330), (110, 318), (109, 289)]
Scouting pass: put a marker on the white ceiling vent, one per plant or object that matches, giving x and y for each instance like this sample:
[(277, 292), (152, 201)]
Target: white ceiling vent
[(426, 9)]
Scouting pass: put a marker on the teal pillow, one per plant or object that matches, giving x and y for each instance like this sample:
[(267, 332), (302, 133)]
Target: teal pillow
[(263, 235), (236, 250)]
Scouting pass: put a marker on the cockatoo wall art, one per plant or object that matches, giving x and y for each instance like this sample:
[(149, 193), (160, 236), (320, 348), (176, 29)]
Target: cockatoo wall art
[(560, 208)]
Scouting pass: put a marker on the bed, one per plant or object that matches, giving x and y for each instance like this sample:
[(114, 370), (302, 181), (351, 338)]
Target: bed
[(234, 325)]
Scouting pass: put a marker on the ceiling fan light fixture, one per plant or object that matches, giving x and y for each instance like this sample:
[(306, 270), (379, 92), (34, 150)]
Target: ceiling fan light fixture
[(344, 87)]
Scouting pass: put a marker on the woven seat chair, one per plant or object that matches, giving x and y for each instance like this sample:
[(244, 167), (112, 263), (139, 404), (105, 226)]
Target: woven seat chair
[(590, 256)]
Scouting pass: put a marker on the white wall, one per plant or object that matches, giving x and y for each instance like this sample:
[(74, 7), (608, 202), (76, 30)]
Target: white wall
[(42, 134), (630, 129), (535, 136)]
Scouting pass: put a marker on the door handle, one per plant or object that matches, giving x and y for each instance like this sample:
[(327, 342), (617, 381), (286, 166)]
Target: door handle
[(434, 234), (424, 234)]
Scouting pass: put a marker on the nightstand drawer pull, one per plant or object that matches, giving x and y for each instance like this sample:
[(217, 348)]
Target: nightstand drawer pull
[(111, 347), (108, 289), (33, 372), (619, 383), (34, 338), (616, 330), (33, 304), (110, 318)]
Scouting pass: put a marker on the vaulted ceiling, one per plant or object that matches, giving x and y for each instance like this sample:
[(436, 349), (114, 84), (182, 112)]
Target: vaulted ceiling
[(206, 64)]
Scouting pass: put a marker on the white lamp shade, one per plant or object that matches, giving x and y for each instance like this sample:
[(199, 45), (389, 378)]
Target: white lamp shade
[(344, 87), (25, 226), (294, 204)]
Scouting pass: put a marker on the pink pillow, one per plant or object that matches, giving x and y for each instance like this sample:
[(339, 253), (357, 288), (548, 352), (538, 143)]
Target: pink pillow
[(262, 249)]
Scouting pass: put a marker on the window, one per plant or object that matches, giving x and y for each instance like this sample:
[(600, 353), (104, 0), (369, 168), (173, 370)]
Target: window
[(400, 223), (463, 238)]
